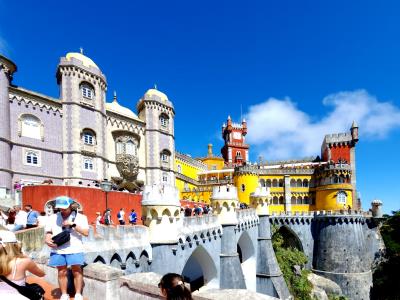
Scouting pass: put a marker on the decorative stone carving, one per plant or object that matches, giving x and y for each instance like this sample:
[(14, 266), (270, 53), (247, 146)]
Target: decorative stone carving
[(128, 166)]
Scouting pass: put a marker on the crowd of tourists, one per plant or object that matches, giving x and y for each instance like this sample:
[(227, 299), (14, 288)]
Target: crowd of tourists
[(17, 218)]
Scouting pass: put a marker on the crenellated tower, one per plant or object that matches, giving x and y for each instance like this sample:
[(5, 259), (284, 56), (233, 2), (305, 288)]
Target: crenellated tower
[(157, 111), (338, 150), (7, 69), (82, 92), (235, 151)]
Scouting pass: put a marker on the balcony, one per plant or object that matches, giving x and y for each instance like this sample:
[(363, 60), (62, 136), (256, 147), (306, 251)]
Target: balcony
[(88, 149)]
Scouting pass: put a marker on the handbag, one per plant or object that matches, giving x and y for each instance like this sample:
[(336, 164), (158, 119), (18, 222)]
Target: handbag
[(31, 291), (64, 236)]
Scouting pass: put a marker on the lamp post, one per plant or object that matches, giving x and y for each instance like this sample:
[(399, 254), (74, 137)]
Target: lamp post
[(106, 187)]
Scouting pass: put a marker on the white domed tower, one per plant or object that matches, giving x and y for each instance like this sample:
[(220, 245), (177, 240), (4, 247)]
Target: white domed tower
[(82, 93), (158, 113)]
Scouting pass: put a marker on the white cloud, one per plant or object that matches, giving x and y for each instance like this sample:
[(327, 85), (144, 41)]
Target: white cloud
[(278, 129)]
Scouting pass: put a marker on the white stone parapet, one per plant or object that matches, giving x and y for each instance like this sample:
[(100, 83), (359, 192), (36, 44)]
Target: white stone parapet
[(160, 195), (261, 191), (224, 192)]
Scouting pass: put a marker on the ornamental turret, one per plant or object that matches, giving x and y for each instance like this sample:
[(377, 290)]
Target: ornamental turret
[(260, 199), (161, 211), (224, 201), (7, 69)]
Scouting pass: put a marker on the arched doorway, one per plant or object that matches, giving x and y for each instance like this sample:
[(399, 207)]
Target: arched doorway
[(248, 260), (200, 270), (290, 238)]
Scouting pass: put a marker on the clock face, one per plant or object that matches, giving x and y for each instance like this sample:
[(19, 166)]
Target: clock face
[(237, 135)]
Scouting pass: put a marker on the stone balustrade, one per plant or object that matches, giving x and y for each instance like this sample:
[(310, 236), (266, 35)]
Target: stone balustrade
[(32, 239), (108, 283), (246, 215)]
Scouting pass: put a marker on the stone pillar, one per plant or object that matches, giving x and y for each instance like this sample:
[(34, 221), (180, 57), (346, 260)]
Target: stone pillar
[(7, 68), (161, 212), (269, 276), (101, 282), (288, 194), (224, 202)]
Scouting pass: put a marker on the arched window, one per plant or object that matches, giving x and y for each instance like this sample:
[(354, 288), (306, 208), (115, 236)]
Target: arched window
[(119, 147), (238, 155), (268, 183), (31, 158), (341, 197), (275, 200), (164, 156), (164, 121), (274, 183), (306, 200), (88, 137), (305, 183), (262, 182), (293, 200), (87, 90), (280, 183), (31, 126), (281, 201), (243, 187), (299, 200), (299, 183), (130, 148), (88, 164), (292, 183)]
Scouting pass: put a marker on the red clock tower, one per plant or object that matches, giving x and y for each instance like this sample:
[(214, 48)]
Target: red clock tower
[(235, 152)]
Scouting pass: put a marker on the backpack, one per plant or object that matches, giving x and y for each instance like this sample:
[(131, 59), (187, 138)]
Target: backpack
[(119, 215), (133, 217), (102, 220)]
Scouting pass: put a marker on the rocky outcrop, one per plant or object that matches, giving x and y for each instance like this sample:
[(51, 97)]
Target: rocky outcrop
[(322, 287)]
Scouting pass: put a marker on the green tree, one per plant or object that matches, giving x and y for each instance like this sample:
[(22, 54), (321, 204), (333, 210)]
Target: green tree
[(298, 285), (386, 280)]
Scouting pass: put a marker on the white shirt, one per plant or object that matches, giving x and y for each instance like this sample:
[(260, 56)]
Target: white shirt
[(75, 245), (121, 215), (42, 220), (21, 217), (98, 220)]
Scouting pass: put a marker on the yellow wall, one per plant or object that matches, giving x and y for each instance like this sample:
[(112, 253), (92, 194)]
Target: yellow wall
[(214, 163), (250, 182), (326, 196)]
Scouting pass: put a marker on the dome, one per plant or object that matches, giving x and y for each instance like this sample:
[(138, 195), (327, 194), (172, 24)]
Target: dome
[(86, 61), (153, 92), (115, 107)]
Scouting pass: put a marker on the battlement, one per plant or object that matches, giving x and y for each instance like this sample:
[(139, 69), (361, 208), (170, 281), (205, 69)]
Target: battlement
[(337, 138), (224, 192), (160, 195)]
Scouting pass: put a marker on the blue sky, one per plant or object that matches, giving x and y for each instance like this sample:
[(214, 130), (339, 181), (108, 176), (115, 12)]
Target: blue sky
[(299, 69)]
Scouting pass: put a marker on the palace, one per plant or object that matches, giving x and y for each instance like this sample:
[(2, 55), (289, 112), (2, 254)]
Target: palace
[(326, 182), (80, 139)]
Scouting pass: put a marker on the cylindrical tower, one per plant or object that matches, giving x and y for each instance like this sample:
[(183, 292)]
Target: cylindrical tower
[(224, 202), (246, 182), (7, 69), (82, 91), (334, 190), (341, 253), (270, 280), (157, 111)]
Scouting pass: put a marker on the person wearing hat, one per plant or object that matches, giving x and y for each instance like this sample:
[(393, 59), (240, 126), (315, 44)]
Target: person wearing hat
[(70, 253), (13, 265)]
